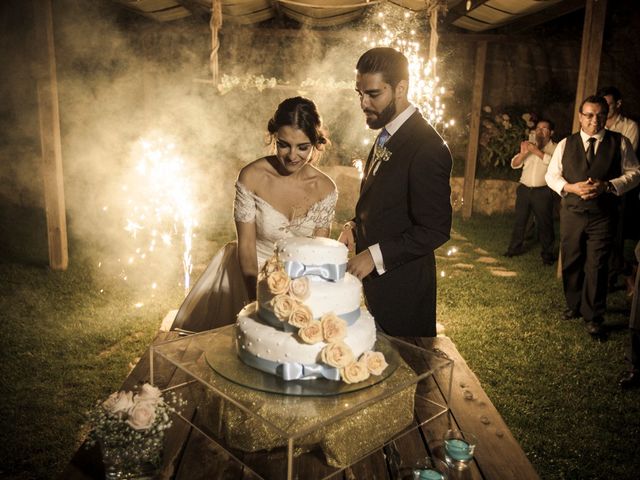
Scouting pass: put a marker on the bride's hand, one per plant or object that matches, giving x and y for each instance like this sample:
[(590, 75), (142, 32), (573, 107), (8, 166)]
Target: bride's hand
[(346, 236)]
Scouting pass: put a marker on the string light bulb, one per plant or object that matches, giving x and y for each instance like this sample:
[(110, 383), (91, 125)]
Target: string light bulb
[(425, 91)]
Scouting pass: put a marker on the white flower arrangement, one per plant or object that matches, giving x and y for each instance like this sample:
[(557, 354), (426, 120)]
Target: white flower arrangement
[(130, 426)]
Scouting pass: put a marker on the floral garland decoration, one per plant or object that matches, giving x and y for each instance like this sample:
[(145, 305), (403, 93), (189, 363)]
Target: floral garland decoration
[(259, 82)]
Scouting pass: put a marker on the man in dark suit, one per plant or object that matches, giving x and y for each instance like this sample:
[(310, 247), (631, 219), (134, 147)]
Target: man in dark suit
[(404, 210), (590, 170)]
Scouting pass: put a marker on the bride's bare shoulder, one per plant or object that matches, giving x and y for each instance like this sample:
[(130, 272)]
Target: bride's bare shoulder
[(323, 182), (251, 175)]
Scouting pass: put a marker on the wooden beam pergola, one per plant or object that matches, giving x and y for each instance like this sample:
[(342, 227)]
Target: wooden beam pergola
[(589, 69), (196, 9), (460, 10), (49, 117), (474, 130), (548, 14)]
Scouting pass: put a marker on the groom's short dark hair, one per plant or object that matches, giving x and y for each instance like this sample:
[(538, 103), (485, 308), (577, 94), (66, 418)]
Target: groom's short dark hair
[(392, 64)]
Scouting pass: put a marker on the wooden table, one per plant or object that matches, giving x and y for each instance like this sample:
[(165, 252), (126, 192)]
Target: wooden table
[(190, 455)]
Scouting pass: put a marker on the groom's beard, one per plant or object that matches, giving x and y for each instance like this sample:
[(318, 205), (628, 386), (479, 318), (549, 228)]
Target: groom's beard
[(382, 118)]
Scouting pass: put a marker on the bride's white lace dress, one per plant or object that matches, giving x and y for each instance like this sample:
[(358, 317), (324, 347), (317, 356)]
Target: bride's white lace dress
[(220, 293)]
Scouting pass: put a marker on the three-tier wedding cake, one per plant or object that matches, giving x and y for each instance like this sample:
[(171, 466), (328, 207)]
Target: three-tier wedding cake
[(308, 322)]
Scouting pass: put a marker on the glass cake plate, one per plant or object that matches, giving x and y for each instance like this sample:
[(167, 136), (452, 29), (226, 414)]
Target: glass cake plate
[(223, 359)]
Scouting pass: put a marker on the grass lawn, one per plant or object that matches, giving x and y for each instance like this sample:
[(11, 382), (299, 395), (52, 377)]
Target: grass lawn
[(69, 338), (555, 387)]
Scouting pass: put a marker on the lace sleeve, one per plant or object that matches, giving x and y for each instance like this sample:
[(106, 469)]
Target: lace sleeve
[(244, 205), (325, 210)]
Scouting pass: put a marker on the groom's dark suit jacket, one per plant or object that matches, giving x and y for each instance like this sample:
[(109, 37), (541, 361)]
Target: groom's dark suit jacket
[(406, 208)]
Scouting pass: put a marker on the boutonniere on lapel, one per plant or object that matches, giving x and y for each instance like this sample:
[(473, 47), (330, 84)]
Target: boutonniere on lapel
[(380, 154)]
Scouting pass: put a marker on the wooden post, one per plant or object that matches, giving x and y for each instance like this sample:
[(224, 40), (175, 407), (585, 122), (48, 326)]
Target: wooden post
[(433, 33), (50, 136), (474, 130), (592, 33), (149, 77), (215, 23)]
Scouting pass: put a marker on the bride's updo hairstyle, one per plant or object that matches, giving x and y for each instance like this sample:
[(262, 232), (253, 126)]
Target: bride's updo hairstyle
[(300, 113)]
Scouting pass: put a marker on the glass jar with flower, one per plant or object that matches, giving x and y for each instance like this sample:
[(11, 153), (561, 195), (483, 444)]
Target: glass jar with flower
[(129, 427)]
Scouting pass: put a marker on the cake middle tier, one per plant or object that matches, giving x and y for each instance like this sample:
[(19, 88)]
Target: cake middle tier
[(341, 298)]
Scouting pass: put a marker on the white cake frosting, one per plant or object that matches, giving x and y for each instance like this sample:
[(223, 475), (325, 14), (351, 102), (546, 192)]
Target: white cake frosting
[(307, 321), (318, 250)]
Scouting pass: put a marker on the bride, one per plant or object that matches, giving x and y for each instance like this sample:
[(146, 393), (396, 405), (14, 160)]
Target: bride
[(277, 196)]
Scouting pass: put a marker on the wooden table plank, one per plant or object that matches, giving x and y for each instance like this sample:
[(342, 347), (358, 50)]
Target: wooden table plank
[(498, 454), (436, 389), (413, 451), (373, 467), (203, 459)]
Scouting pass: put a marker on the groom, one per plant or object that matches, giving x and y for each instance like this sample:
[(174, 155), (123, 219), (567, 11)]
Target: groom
[(404, 210)]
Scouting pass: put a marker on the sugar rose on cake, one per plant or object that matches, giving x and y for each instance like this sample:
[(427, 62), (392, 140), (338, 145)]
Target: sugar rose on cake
[(354, 372), (272, 264), (299, 288), (278, 282), (283, 306), (334, 328), (375, 362), (301, 316), (311, 333), (337, 355)]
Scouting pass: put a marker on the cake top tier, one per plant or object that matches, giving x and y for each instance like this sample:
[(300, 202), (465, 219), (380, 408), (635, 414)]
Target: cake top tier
[(312, 250)]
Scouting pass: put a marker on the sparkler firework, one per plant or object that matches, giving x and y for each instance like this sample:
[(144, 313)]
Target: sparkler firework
[(397, 28), (158, 212)]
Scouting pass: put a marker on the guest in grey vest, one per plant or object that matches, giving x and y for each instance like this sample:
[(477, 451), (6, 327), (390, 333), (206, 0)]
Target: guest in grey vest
[(590, 170)]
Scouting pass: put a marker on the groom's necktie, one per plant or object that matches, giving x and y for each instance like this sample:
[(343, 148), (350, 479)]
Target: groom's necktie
[(591, 151), (383, 136)]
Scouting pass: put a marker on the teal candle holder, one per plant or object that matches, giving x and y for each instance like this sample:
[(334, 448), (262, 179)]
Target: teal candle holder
[(430, 470), (458, 448)]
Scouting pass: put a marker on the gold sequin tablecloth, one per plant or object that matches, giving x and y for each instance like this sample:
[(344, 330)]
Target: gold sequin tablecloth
[(343, 440)]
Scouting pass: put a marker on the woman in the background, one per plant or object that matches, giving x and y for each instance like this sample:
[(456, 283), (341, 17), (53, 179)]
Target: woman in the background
[(277, 196)]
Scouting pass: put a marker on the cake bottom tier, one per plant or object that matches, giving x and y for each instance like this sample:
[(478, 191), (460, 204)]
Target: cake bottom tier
[(258, 339)]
